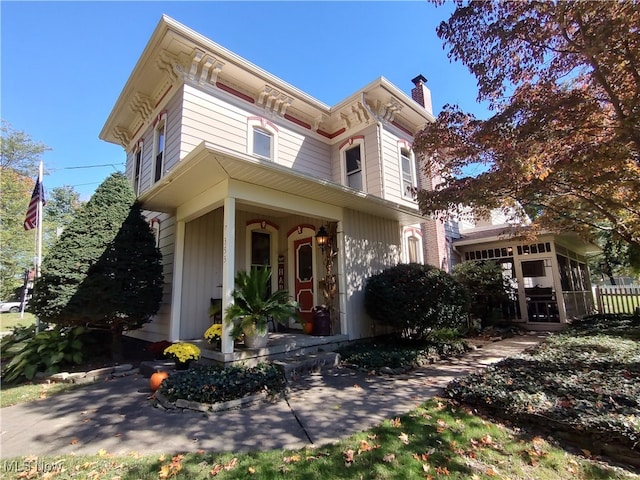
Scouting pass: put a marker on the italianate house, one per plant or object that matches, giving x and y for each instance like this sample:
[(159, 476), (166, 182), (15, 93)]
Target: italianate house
[(238, 169)]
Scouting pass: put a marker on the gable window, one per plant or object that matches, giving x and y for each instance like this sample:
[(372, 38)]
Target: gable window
[(407, 171), (159, 149), (262, 138), (137, 169)]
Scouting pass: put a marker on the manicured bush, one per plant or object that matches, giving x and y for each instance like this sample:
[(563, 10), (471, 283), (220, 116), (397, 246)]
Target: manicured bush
[(105, 271), (416, 300), (213, 384)]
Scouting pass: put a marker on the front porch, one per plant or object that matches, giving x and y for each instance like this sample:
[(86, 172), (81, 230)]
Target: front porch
[(279, 347)]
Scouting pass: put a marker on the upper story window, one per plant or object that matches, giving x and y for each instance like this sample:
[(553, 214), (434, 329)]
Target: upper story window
[(352, 153), (137, 168), (262, 136), (262, 142), (353, 160), (159, 148), (407, 172)]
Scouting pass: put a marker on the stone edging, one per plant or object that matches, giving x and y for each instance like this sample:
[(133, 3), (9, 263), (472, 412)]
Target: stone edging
[(181, 404), (95, 375)]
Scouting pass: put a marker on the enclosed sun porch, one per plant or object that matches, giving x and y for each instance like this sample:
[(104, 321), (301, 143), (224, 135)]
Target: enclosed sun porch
[(548, 278)]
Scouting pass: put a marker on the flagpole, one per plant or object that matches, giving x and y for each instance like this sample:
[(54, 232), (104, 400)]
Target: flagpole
[(39, 223)]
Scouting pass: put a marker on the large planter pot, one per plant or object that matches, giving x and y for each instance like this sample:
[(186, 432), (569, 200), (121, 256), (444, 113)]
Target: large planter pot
[(255, 339), (321, 321)]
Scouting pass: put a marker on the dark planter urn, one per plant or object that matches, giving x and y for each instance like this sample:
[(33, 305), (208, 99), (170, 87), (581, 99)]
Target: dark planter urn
[(321, 321)]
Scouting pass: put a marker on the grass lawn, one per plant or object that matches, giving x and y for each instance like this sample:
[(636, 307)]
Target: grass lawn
[(439, 440), (10, 320), (28, 392)]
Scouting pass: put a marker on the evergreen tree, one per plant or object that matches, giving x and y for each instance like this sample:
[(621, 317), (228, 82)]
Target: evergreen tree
[(105, 271)]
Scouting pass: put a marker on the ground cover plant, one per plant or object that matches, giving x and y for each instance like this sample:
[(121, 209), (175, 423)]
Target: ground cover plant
[(213, 384), (438, 440), (401, 354), (584, 383)]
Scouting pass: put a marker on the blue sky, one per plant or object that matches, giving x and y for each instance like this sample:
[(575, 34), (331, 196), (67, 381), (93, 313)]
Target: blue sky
[(65, 63)]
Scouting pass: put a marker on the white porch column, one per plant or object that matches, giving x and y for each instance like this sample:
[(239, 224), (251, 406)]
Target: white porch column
[(228, 267), (342, 282), (176, 288)]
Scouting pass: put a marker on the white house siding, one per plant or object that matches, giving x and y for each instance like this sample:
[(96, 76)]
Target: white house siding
[(391, 161), (219, 122), (371, 244), (158, 328), (172, 143), (202, 272)]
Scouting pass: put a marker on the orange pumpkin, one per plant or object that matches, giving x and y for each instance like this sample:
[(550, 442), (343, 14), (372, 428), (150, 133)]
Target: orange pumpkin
[(156, 379)]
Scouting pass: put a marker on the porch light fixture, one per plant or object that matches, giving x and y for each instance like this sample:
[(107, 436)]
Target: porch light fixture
[(322, 238)]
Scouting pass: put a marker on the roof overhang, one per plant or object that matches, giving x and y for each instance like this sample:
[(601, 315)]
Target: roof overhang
[(176, 54), (207, 166)]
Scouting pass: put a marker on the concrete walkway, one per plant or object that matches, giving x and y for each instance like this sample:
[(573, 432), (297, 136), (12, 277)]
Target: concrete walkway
[(118, 416)]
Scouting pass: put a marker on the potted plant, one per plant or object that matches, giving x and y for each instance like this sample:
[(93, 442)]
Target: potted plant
[(213, 334), (182, 353), (253, 307)]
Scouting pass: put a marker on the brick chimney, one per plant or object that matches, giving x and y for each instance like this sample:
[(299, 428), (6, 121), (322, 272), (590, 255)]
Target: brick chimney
[(421, 94)]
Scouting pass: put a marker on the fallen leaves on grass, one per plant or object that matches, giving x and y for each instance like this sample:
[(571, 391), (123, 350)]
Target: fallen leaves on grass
[(172, 468), (230, 465)]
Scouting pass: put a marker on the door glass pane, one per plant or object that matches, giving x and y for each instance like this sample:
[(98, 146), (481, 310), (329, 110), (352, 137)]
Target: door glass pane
[(305, 264)]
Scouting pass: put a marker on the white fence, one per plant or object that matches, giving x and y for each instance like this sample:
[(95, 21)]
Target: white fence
[(617, 299)]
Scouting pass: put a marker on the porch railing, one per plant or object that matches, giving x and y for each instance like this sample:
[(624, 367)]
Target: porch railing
[(617, 299)]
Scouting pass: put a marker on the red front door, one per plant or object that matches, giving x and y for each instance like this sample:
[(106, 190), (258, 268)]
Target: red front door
[(303, 269)]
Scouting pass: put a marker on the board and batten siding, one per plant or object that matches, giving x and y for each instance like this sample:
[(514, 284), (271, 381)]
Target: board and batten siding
[(214, 120), (371, 244), (202, 273)]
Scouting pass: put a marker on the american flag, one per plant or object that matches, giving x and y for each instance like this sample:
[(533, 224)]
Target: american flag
[(31, 221)]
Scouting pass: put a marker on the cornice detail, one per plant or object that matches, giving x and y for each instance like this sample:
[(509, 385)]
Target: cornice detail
[(142, 105), (204, 68), (123, 135), (168, 64), (388, 110), (273, 101)]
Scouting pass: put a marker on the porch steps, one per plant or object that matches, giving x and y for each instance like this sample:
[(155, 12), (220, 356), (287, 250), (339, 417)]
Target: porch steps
[(301, 365)]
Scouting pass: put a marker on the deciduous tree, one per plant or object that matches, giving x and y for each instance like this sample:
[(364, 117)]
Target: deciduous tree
[(563, 143), (19, 159)]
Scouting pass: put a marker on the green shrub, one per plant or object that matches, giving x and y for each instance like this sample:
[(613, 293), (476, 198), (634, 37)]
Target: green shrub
[(401, 354), (488, 287), (416, 300), (27, 352), (213, 384)]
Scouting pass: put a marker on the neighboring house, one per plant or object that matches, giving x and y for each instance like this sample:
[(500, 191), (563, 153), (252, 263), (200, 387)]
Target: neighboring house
[(549, 276), (237, 169)]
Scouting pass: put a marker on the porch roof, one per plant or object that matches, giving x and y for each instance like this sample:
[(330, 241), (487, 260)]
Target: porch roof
[(505, 234), (208, 165)]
